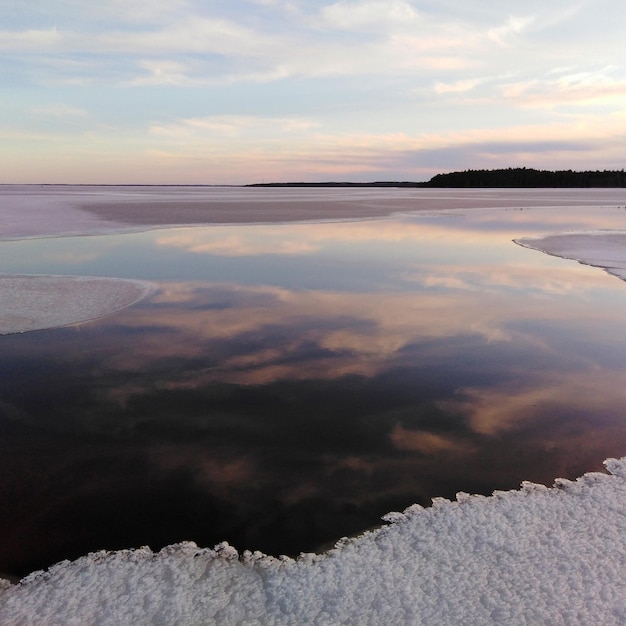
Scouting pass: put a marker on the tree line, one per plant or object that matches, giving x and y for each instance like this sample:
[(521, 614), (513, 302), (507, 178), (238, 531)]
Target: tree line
[(529, 177)]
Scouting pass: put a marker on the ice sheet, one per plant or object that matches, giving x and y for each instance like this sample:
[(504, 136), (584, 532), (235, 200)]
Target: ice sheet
[(63, 210)]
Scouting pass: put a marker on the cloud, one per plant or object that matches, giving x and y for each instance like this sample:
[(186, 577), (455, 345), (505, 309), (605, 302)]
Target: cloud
[(163, 72), (373, 89), (197, 35), (184, 35), (59, 110), (513, 26), (267, 145), (395, 41), (599, 87), (247, 148), (27, 40), (142, 10), (231, 127), (458, 86), (370, 15)]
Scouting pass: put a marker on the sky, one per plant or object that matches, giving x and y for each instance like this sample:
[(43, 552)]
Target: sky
[(245, 91)]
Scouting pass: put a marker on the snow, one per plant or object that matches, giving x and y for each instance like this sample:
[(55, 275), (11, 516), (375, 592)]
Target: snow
[(534, 556)]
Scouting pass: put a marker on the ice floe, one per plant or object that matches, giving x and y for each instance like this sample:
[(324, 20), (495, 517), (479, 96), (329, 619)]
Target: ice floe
[(604, 249), (36, 302)]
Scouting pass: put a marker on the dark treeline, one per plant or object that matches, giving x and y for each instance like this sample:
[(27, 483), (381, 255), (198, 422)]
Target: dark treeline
[(528, 177), (509, 177)]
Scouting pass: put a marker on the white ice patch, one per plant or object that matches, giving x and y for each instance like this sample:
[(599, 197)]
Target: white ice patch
[(604, 249), (37, 302), (533, 556)]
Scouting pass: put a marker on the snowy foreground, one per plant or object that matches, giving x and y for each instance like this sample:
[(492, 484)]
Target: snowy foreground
[(534, 556)]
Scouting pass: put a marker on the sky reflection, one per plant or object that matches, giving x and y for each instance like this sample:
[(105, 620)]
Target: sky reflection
[(281, 417)]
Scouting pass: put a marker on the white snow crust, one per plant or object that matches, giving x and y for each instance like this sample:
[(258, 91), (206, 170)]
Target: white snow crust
[(534, 556)]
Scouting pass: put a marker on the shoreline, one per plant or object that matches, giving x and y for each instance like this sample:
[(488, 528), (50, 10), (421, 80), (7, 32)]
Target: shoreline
[(534, 555)]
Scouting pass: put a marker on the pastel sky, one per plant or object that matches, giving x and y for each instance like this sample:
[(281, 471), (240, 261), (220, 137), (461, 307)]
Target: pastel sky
[(242, 91)]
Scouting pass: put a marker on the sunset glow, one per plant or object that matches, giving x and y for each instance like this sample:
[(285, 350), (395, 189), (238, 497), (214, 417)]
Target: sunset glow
[(186, 92)]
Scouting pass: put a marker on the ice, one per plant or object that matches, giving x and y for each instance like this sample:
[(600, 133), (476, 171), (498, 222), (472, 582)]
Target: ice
[(604, 249), (30, 211), (534, 556), (36, 302)]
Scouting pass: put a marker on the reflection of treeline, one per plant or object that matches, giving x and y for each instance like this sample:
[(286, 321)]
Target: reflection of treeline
[(528, 177), (509, 177)]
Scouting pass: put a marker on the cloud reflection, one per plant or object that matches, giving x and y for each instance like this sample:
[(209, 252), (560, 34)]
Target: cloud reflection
[(509, 406), (234, 244), (281, 418), (477, 230), (420, 441), (257, 334)]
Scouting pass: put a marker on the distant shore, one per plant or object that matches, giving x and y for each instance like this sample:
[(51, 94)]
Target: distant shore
[(503, 178)]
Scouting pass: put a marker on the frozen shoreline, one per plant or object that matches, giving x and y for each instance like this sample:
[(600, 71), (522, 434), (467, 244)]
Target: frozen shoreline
[(534, 556)]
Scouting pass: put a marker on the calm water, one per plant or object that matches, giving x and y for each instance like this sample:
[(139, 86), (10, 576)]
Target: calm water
[(288, 385)]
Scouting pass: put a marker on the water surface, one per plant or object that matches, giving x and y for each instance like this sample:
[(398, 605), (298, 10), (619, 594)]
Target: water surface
[(289, 384)]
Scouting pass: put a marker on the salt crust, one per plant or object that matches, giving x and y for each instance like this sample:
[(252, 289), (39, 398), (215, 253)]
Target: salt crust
[(37, 302), (534, 556)]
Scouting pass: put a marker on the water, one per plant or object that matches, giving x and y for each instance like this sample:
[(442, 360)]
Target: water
[(289, 384)]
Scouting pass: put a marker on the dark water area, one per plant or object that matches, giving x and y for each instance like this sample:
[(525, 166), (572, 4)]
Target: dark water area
[(288, 385)]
